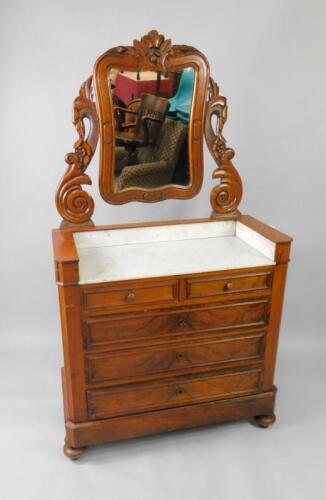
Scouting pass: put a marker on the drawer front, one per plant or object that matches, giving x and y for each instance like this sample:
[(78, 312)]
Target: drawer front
[(136, 327), (149, 361), (206, 287), (135, 398), (95, 299)]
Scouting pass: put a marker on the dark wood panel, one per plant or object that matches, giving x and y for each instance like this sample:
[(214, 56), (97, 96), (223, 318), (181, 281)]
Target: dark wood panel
[(69, 298), (130, 295), (275, 316), (153, 360), (115, 329), (169, 419), (133, 398), (228, 284)]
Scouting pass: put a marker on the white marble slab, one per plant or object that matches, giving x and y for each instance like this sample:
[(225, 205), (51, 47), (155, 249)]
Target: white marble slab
[(124, 254), (154, 234), (256, 240)]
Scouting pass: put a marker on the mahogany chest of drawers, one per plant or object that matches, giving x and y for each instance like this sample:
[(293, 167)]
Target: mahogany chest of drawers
[(168, 326)]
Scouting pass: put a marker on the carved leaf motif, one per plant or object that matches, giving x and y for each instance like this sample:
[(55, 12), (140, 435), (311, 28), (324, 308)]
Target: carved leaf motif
[(154, 48), (73, 203), (226, 196)]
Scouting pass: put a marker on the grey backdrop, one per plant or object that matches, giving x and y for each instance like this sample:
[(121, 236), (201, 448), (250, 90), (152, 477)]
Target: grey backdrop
[(269, 60)]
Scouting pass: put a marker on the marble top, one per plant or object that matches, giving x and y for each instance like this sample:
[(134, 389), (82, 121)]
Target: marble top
[(156, 251)]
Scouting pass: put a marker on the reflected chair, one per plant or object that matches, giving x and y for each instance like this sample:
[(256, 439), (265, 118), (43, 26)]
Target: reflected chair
[(140, 123), (155, 163)]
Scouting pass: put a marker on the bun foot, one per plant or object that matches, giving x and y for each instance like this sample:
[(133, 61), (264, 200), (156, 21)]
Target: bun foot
[(265, 420), (72, 453)]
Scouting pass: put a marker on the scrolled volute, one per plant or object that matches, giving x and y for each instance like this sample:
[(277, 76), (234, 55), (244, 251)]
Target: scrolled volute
[(226, 196), (74, 204)]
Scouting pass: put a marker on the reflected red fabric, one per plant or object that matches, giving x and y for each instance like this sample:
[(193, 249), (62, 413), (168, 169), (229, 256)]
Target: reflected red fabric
[(127, 89)]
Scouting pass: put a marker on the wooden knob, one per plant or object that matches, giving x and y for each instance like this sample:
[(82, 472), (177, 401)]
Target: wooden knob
[(131, 297), (182, 322), (228, 286), (179, 390), (179, 355)]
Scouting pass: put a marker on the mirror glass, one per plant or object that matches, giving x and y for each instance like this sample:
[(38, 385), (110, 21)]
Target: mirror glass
[(151, 111)]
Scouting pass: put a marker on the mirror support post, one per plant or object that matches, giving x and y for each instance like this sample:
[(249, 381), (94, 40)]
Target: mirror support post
[(75, 205), (226, 196)]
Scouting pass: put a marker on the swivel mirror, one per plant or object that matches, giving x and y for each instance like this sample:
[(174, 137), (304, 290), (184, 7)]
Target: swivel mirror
[(151, 104), (148, 105)]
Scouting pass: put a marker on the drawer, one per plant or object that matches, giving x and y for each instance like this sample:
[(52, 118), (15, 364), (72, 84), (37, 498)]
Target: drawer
[(95, 299), (210, 286), (151, 360), (135, 398), (144, 327)]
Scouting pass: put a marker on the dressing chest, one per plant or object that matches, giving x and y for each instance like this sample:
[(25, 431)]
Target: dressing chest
[(170, 324)]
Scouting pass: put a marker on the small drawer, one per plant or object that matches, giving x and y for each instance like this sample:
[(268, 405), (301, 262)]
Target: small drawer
[(95, 299), (117, 329), (206, 287), (152, 360), (136, 398)]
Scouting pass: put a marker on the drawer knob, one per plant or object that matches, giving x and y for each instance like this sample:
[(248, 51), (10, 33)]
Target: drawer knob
[(179, 355), (182, 322), (131, 297), (228, 286), (179, 390)]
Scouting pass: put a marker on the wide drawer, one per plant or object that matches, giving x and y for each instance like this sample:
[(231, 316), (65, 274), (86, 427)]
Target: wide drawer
[(106, 298), (151, 360), (135, 398), (137, 327), (217, 285)]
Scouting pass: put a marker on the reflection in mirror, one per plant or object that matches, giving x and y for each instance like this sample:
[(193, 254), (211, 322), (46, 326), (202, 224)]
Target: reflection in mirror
[(151, 111)]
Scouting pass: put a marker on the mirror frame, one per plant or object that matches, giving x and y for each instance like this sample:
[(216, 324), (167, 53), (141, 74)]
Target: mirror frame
[(76, 205), (152, 53)]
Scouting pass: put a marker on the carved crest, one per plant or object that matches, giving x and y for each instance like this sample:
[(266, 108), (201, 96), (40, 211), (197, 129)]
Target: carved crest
[(153, 47), (226, 196)]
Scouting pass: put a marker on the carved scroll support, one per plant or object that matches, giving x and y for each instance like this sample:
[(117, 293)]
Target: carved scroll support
[(226, 196), (74, 204)]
